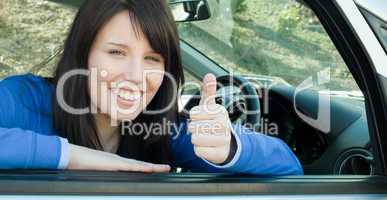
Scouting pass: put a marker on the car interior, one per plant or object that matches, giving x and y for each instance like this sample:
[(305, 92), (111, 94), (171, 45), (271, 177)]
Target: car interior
[(341, 151), (344, 149)]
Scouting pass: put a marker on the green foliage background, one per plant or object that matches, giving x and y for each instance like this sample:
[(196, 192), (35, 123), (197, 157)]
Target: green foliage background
[(269, 37), (280, 38)]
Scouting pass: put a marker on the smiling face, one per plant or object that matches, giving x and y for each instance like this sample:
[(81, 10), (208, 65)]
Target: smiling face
[(129, 72)]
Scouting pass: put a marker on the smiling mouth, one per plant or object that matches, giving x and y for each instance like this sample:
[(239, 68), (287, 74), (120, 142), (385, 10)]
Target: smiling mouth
[(129, 95)]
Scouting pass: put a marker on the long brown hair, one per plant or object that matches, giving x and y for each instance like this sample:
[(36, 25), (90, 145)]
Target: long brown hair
[(156, 22)]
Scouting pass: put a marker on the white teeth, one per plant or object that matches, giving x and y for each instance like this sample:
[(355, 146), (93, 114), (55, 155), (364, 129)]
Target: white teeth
[(128, 96)]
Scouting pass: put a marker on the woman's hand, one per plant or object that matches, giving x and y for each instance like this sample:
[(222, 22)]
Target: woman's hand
[(82, 158), (210, 125)]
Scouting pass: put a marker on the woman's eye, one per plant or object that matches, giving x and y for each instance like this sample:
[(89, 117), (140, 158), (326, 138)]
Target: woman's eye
[(153, 59), (116, 52)]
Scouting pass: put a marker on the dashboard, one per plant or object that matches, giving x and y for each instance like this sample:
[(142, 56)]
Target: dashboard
[(294, 117), (344, 149)]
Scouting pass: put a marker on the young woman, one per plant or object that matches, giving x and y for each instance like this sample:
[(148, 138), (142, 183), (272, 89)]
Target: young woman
[(68, 122)]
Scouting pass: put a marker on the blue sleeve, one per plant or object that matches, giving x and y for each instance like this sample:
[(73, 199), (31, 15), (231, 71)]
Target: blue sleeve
[(23, 148), (256, 154)]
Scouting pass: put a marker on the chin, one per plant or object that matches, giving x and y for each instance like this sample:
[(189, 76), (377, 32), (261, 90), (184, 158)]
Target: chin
[(124, 117), (130, 115)]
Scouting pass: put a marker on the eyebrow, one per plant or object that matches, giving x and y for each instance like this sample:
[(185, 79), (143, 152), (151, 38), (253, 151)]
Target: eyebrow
[(127, 47), (119, 44)]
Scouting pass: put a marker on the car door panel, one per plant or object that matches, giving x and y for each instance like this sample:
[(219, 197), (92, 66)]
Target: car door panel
[(183, 184)]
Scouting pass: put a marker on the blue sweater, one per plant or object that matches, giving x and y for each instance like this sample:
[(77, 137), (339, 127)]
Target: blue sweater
[(28, 139)]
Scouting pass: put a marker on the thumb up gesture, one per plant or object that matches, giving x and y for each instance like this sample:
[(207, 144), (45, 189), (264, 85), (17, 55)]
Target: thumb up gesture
[(210, 125)]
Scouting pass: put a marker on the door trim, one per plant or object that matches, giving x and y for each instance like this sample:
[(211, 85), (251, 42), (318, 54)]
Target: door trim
[(365, 34), (123, 183)]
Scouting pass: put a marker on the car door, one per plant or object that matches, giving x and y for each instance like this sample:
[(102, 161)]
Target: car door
[(345, 35), (369, 18), (334, 16)]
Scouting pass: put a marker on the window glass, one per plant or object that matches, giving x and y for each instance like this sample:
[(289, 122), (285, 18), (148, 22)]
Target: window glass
[(260, 39), (282, 41), (378, 26), (280, 38)]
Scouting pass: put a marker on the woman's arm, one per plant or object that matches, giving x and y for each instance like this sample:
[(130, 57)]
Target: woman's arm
[(211, 137), (21, 148), (256, 154), (82, 158), (24, 149), (24, 146), (261, 154)]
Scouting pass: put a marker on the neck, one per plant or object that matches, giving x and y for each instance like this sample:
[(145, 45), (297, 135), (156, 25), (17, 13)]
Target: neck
[(107, 134)]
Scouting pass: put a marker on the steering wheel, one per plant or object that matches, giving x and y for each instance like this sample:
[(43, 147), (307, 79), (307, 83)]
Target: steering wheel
[(238, 96)]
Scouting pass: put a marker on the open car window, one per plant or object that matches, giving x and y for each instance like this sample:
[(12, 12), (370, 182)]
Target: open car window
[(282, 48), (277, 45)]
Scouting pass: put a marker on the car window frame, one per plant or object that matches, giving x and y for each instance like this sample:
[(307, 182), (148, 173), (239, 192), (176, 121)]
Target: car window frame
[(35, 182)]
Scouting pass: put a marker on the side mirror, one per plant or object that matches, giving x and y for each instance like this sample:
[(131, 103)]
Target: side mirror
[(190, 10)]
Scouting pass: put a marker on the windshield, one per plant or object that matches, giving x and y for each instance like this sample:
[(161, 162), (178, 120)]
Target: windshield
[(261, 39)]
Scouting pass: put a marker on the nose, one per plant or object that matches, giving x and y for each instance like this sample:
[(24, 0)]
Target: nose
[(134, 71)]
